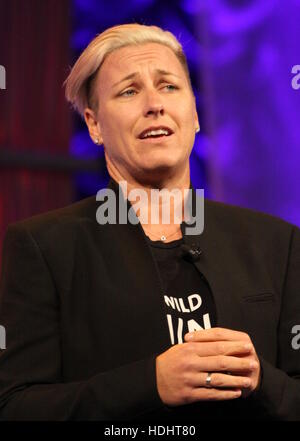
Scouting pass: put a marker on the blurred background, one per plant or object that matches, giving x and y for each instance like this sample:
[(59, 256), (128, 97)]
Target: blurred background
[(240, 53)]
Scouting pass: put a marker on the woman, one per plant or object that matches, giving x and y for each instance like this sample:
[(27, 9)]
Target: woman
[(139, 320)]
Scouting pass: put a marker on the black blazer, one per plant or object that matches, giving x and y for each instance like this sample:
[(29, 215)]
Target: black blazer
[(84, 317)]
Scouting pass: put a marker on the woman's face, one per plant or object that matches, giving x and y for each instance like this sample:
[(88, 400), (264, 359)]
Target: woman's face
[(139, 89)]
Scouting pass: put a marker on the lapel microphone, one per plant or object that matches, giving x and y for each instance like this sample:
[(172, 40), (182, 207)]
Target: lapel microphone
[(191, 252)]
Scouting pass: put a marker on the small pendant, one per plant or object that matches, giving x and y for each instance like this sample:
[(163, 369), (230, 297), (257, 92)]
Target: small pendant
[(163, 238)]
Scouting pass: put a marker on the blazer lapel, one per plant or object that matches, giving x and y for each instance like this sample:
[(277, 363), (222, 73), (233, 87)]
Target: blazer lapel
[(145, 295)]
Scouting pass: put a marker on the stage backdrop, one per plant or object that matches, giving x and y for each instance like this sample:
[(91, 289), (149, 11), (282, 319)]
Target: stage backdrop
[(252, 111), (34, 118)]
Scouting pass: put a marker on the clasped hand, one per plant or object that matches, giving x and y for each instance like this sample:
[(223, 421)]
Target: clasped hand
[(229, 356)]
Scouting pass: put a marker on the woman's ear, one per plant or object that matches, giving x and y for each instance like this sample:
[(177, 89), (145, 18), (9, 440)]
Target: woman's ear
[(93, 126)]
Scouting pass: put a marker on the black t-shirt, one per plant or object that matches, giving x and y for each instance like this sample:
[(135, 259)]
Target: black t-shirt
[(187, 298)]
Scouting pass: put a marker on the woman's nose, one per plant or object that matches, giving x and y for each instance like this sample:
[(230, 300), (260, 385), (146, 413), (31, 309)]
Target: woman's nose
[(153, 104)]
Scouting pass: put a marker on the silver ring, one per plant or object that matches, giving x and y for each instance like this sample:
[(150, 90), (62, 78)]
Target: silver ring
[(208, 380)]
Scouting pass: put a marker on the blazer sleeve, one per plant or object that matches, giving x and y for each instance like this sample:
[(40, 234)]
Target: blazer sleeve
[(279, 394), (32, 386)]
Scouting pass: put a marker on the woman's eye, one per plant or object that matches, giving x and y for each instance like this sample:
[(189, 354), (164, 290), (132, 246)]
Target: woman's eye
[(132, 92), (171, 87), (128, 92)]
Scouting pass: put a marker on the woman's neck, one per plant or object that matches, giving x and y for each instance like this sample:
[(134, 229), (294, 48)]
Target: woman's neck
[(159, 207)]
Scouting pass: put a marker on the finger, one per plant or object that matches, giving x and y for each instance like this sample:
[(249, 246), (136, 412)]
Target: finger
[(220, 381), (206, 349), (224, 363), (204, 394), (216, 334)]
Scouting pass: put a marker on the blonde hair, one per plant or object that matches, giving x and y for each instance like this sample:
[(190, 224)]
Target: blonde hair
[(80, 82)]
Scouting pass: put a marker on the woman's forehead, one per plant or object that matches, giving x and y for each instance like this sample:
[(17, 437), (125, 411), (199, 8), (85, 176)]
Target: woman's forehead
[(129, 59)]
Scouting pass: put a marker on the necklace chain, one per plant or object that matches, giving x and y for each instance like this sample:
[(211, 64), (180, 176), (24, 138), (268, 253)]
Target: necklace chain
[(163, 237)]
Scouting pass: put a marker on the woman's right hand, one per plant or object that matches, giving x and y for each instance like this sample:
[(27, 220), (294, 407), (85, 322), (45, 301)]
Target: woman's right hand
[(181, 371)]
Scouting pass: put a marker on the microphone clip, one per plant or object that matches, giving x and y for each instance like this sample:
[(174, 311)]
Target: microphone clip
[(191, 252)]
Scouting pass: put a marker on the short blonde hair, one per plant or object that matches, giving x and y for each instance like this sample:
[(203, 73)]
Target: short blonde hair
[(79, 84)]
